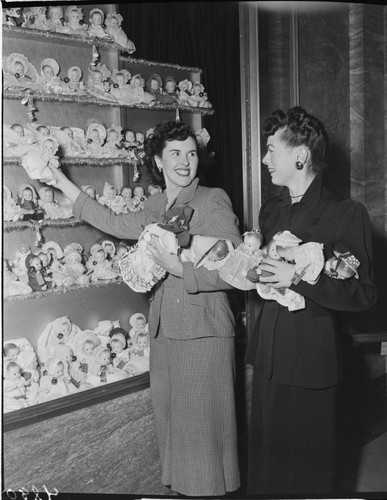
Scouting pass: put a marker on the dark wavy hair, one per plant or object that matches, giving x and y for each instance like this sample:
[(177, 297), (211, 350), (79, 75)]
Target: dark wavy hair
[(156, 142), (299, 128)]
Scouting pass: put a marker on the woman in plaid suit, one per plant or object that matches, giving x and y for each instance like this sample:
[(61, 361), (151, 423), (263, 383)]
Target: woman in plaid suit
[(191, 325)]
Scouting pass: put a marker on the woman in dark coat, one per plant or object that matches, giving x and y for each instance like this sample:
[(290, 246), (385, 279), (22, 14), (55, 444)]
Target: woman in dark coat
[(192, 365), (295, 354)]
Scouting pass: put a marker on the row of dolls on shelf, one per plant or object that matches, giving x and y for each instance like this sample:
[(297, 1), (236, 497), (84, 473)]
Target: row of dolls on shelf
[(68, 360), (97, 141), (35, 206), (117, 86), (239, 266), (51, 266), (70, 20)]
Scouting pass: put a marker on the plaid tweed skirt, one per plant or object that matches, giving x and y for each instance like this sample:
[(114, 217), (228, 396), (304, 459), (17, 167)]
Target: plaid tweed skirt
[(192, 388)]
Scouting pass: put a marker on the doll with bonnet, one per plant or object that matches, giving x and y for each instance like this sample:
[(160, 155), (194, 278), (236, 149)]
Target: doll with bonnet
[(74, 375), (84, 344), (154, 85), (113, 28), (97, 83), (185, 87), (53, 384), (121, 88), (55, 17), (49, 77), (119, 350), (52, 209), (112, 146), (20, 74), (140, 352), (74, 75), (139, 324), (73, 21), (139, 94), (14, 387), (95, 139), (101, 370), (198, 97), (109, 193), (101, 268), (11, 285), (28, 201), (96, 20), (42, 164), (72, 271), (169, 94), (55, 255)]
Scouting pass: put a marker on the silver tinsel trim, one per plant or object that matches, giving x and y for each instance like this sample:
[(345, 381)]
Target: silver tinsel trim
[(8, 94), (144, 62), (78, 161), (61, 290), (21, 224)]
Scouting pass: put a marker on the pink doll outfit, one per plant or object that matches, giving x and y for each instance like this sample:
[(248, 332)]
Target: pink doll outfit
[(118, 33)]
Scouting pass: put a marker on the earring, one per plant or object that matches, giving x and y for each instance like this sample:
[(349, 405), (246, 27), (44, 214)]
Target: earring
[(299, 165), (160, 168)]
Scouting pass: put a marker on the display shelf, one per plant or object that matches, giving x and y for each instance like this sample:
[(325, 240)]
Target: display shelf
[(84, 100), (78, 161), (49, 409), (59, 223), (53, 37), (62, 290)]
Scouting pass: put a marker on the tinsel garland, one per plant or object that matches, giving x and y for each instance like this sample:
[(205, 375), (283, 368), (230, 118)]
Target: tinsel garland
[(42, 96), (144, 62), (79, 162), (62, 289), (19, 225)]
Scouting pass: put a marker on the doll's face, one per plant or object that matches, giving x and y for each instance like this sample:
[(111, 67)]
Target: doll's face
[(19, 68), (111, 193), (96, 19), (120, 79), (88, 347), (97, 77), (48, 72), (251, 243), (142, 342), (170, 86), (154, 85), (68, 356), (130, 136), (100, 256), (49, 147), (18, 129), (104, 357), (75, 75), (137, 82), (114, 23), (43, 130), (126, 193), (58, 371), (117, 347), (55, 13), (140, 138), (74, 17), (138, 191), (94, 135), (90, 191), (64, 329), (36, 263), (48, 195), (13, 354), (113, 136), (140, 324), (72, 259), (13, 373), (44, 259), (109, 249), (196, 89)]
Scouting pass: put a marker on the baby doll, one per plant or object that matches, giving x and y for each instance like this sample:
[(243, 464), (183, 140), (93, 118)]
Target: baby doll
[(71, 140), (74, 76), (246, 256), (11, 352), (11, 285), (342, 266), (100, 366), (36, 19), (95, 138), (36, 280), (21, 74), (55, 17), (154, 85), (51, 208), (121, 250), (29, 365), (101, 267), (19, 263), (109, 247), (169, 95), (97, 83), (140, 96), (12, 211), (185, 87), (139, 325), (112, 146), (109, 193), (53, 384), (118, 345), (139, 198), (17, 140), (129, 143), (14, 387), (45, 259), (207, 251), (55, 254), (126, 193), (121, 89), (140, 352), (96, 20), (75, 377), (198, 97), (73, 21), (43, 163), (27, 200), (49, 79), (72, 270), (113, 28), (89, 190), (84, 344), (154, 189)]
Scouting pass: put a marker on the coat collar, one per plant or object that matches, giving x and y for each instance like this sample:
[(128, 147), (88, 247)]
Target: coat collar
[(311, 197)]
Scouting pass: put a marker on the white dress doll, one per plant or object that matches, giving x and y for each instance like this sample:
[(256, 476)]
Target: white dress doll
[(18, 140), (120, 353), (73, 16), (101, 370), (139, 198), (55, 254), (139, 325), (11, 285), (75, 377), (140, 352), (14, 387), (52, 209), (19, 263), (112, 147), (71, 270), (83, 346), (198, 97), (97, 83), (43, 163), (28, 362), (95, 139), (71, 140), (101, 267), (126, 193), (96, 20), (109, 193), (59, 331), (55, 18), (113, 28), (53, 384), (122, 90), (246, 256), (74, 76), (110, 248), (49, 77), (140, 96), (20, 74)]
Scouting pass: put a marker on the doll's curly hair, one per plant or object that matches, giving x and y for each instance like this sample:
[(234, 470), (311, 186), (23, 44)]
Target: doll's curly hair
[(299, 128)]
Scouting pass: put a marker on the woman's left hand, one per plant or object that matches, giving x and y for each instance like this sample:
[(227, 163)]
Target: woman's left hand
[(282, 273), (162, 257)]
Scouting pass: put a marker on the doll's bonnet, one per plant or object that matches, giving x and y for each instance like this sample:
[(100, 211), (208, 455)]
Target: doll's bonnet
[(96, 248), (114, 15), (14, 58), (96, 126), (135, 317), (53, 245), (27, 186), (49, 61), (93, 11), (70, 70), (125, 72)]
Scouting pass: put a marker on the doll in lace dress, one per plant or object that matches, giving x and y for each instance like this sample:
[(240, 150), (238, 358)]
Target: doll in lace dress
[(101, 267), (113, 28), (53, 384), (20, 74), (95, 139), (42, 164), (72, 271), (52, 209)]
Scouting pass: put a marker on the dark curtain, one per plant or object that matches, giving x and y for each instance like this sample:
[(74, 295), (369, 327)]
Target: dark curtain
[(203, 35)]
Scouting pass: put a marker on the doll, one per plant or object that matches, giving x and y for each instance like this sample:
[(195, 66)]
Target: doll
[(110, 249), (74, 76), (73, 266), (18, 140), (53, 384), (59, 331), (207, 251), (140, 96), (36, 19), (246, 256), (139, 197), (11, 285), (29, 364), (95, 138), (45, 259), (112, 146), (11, 17), (14, 387), (129, 144), (185, 87), (49, 79), (113, 28), (343, 265), (103, 329), (73, 21), (89, 190), (36, 279), (11, 352), (126, 193), (154, 86), (19, 263), (118, 345), (12, 211), (140, 139), (139, 325), (43, 163), (84, 344), (118, 205), (101, 267), (51, 208), (71, 140), (21, 74), (55, 17), (154, 189), (121, 250), (198, 97), (169, 94), (75, 377), (140, 352), (27, 200), (96, 20), (109, 193), (100, 366), (55, 253), (97, 83), (122, 90)]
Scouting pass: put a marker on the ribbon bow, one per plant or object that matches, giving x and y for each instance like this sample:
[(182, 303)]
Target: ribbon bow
[(177, 221)]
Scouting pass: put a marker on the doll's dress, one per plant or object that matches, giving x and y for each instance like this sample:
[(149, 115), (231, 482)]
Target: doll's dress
[(103, 271), (198, 249), (121, 38), (47, 340), (235, 269), (12, 286), (126, 94), (98, 31), (184, 97), (15, 145), (118, 205), (53, 210), (100, 92), (121, 359), (27, 82), (14, 394), (52, 388), (39, 165)]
